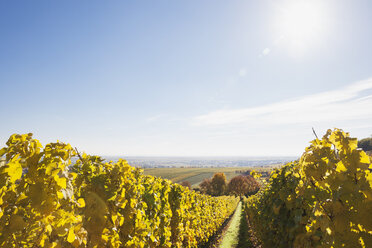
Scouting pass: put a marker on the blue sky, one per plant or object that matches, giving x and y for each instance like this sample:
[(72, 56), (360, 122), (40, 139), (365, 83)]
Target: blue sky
[(214, 78)]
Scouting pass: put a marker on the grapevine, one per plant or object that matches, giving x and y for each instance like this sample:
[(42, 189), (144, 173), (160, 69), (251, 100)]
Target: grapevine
[(48, 201), (322, 200)]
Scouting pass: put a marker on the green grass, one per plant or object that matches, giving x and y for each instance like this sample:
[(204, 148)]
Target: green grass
[(231, 236), (196, 175)]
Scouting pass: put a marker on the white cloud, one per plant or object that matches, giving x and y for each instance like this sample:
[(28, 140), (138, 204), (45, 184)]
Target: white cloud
[(348, 103)]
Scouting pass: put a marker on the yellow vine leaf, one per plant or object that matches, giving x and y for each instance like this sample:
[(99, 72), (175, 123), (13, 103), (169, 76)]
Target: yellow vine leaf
[(81, 202), (369, 178), (364, 158), (340, 167), (14, 169), (114, 218), (71, 235), (3, 151), (61, 181), (318, 213)]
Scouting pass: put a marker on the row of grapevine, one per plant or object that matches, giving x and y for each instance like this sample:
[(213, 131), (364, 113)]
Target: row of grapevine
[(48, 201), (322, 200)]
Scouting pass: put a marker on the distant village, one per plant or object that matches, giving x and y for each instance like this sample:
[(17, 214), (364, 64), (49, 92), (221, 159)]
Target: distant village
[(174, 162)]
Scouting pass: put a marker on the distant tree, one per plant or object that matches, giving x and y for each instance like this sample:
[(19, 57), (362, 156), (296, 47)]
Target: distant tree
[(365, 144), (238, 185), (186, 184), (206, 186), (218, 184), (243, 185)]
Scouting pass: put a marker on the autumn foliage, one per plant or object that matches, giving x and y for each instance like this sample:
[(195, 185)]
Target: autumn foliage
[(238, 186), (216, 186), (46, 200), (186, 184), (243, 185), (324, 199)]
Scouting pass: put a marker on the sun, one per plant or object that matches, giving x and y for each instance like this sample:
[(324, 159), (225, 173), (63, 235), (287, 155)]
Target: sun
[(302, 23)]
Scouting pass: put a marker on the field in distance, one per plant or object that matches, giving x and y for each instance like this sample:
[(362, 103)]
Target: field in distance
[(196, 169), (196, 175)]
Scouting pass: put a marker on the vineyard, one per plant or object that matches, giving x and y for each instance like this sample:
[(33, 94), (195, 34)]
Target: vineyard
[(46, 201), (324, 199)]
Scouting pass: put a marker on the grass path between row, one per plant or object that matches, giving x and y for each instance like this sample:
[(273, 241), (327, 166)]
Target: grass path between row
[(231, 236)]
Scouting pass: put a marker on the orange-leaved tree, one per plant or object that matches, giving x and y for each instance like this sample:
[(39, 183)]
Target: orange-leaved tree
[(218, 184), (243, 185)]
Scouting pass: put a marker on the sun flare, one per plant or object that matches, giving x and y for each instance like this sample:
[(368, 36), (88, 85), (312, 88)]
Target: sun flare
[(302, 23)]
